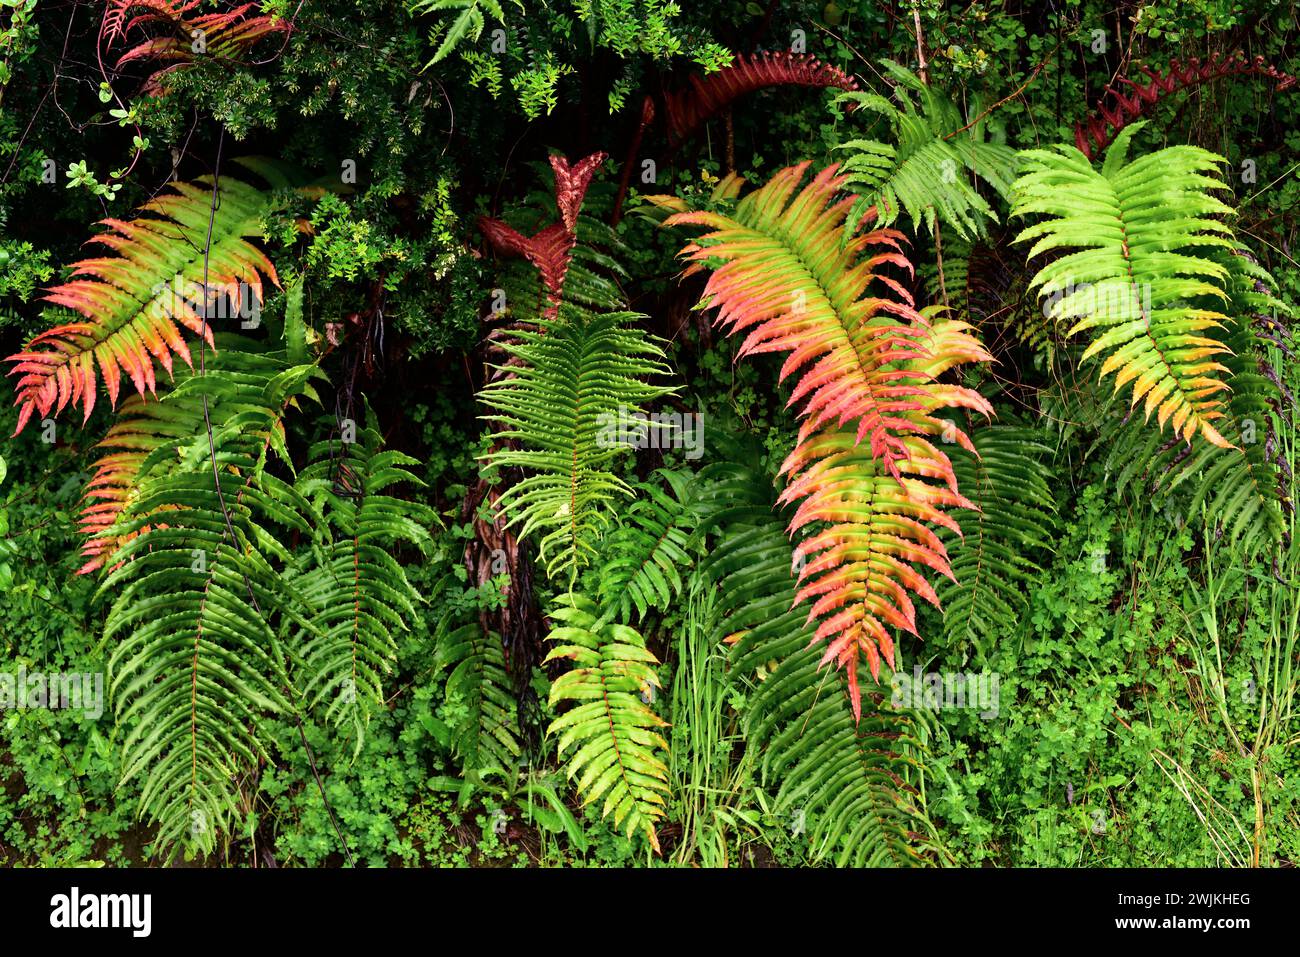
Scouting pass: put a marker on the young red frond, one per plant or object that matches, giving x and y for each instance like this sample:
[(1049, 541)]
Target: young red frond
[(551, 249), (707, 96), (1095, 133)]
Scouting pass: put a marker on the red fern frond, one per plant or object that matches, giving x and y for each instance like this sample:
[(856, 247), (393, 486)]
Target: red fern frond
[(686, 110), (128, 443), (1096, 133), (226, 35), (551, 249)]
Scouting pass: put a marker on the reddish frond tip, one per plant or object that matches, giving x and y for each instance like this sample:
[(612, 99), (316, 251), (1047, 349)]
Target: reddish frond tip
[(571, 183), (502, 237), (551, 249), (24, 415)]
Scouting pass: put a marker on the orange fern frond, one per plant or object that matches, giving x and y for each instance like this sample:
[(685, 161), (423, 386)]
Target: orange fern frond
[(136, 302), (792, 274), (875, 520), (787, 286)]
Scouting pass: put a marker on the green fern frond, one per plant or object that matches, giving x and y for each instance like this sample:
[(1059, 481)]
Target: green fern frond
[(842, 782), (194, 588), (992, 560), (928, 169), (575, 380), (359, 595), (1135, 270), (467, 24), (1240, 489), (648, 555), (478, 684), (617, 753), (151, 437)]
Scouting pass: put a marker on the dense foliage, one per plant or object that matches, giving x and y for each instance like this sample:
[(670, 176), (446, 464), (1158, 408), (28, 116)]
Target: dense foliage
[(457, 432)]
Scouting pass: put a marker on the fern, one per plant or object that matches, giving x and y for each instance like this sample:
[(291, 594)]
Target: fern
[(560, 270), (133, 313), (194, 588), (686, 110), (574, 259), (617, 753), (1137, 230), (359, 594), (791, 284), (842, 783), (1097, 131), (868, 365), (1014, 517), (161, 437), (466, 24), (485, 737), (925, 173), (873, 533), (226, 36), (650, 549), (572, 379), (1241, 489)]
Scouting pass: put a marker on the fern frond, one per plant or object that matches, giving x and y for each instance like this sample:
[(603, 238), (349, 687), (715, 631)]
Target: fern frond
[(687, 109), (550, 250), (649, 552), (1096, 132), (359, 594), (927, 172), (1134, 236), (226, 35), (992, 560), (152, 438), (1242, 489), (467, 24), (870, 367), (486, 737), (195, 585), (841, 782), (136, 302), (573, 379), (617, 753), (859, 569), (790, 284)]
